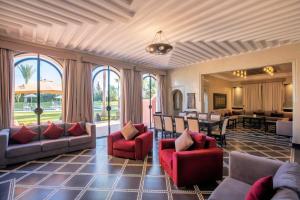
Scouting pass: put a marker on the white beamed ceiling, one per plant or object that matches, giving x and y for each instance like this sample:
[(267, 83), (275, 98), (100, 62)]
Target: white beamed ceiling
[(199, 30)]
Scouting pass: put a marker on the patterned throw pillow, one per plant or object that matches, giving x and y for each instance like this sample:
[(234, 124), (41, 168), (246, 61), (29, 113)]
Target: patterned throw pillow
[(129, 131), (24, 135), (53, 131)]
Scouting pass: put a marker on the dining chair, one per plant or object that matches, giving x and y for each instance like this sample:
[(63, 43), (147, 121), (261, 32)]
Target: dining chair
[(192, 114), (179, 125), (193, 124), (215, 117), (158, 124), (182, 114), (221, 133), (202, 116), (168, 125)]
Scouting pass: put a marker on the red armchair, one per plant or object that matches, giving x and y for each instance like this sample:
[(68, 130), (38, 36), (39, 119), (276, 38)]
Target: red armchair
[(194, 166), (137, 148)]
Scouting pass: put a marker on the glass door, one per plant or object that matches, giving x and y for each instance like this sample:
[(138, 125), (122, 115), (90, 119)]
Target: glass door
[(149, 98)]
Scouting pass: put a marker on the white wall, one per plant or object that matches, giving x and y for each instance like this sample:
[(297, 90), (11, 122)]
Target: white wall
[(189, 78)]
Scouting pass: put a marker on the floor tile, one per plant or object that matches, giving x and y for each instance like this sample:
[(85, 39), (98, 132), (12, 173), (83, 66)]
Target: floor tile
[(70, 168), (103, 181), (50, 167), (63, 159), (124, 196), (155, 183), (65, 194), (31, 166), (55, 180), (155, 170), (19, 190), (79, 181), (81, 159), (152, 196), (185, 196), (127, 182), (12, 175), (133, 170), (31, 179), (94, 195), (36, 194)]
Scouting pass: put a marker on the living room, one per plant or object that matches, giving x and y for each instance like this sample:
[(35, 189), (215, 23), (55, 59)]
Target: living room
[(132, 99)]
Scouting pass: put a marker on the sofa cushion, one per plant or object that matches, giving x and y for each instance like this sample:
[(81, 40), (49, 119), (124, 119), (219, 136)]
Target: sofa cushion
[(53, 131), (129, 131), (14, 130), (199, 141), (285, 194), (288, 175), (24, 135), (50, 144), (43, 128), (230, 189), (124, 145), (166, 156), (262, 189), (76, 130), (140, 127), (184, 141), (16, 150), (78, 140)]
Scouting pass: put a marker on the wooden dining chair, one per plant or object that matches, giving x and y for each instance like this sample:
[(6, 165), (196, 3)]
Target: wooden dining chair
[(158, 124), (192, 114), (215, 117), (182, 114), (193, 124), (179, 125), (203, 116), (221, 133), (168, 125)]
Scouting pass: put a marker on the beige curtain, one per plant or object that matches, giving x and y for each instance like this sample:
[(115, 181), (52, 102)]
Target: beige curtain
[(252, 97), (273, 96), (162, 94), (6, 87), (131, 96), (77, 88)]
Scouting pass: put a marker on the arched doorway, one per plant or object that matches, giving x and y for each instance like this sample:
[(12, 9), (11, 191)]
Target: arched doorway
[(106, 99), (149, 98), (38, 89), (177, 101)]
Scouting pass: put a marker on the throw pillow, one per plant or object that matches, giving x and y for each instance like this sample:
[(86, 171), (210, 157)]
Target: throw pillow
[(199, 140), (76, 130), (129, 131), (262, 189), (288, 176), (184, 141), (24, 135), (140, 127), (53, 131)]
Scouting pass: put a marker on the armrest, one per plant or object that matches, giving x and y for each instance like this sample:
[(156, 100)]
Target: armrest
[(4, 137), (91, 130), (167, 144), (248, 168), (210, 142), (191, 167), (143, 144), (111, 139)]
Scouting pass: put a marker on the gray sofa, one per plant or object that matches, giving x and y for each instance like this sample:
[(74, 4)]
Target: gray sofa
[(39, 147), (244, 170), (284, 128)]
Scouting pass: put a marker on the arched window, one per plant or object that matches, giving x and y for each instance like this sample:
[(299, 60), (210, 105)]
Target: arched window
[(149, 98), (38, 89), (106, 98)]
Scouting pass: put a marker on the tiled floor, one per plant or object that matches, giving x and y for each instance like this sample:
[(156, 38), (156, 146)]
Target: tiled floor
[(91, 174)]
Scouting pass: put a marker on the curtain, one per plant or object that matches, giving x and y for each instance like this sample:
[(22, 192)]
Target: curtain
[(6, 87), (162, 94), (77, 88), (131, 96), (252, 97), (273, 96)]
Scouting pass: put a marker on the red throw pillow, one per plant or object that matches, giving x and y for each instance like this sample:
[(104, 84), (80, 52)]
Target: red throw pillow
[(24, 135), (53, 131), (262, 189), (76, 130), (140, 127), (199, 140)]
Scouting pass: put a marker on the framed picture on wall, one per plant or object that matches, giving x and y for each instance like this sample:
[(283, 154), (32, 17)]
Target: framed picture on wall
[(191, 101), (220, 101)]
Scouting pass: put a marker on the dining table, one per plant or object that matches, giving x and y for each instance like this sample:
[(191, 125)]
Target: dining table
[(209, 124)]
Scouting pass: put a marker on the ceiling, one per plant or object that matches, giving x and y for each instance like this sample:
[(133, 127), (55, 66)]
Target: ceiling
[(283, 70), (199, 30)]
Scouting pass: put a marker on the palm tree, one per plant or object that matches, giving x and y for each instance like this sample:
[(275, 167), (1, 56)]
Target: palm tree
[(27, 72)]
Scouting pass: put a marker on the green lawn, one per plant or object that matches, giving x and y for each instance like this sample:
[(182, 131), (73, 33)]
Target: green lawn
[(30, 117)]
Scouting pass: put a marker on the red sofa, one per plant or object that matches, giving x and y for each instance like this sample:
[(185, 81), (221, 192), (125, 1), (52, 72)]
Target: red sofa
[(137, 148), (196, 165)]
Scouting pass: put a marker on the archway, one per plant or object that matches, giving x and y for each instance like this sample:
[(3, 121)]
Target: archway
[(177, 98)]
